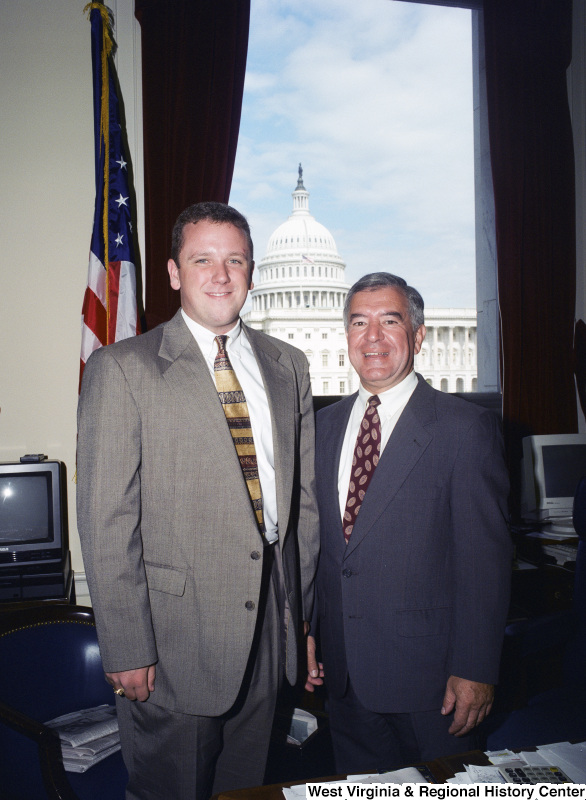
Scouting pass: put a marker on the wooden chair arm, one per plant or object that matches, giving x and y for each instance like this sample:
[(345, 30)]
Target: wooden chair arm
[(50, 759)]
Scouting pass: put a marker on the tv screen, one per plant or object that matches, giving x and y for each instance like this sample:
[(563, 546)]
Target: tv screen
[(33, 513), (26, 508)]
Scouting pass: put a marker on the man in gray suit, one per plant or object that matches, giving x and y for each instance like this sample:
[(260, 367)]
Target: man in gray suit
[(198, 524), (414, 570)]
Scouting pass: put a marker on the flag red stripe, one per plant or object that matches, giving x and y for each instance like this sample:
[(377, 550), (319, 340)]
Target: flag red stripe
[(94, 315), (114, 289)]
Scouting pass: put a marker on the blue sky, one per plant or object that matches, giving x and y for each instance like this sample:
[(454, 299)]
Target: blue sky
[(374, 98)]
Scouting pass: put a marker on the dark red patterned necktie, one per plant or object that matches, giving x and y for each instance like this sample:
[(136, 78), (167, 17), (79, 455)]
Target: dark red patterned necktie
[(366, 456)]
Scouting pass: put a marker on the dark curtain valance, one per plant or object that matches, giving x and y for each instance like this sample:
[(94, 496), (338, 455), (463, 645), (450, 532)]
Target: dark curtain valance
[(193, 65), (528, 49)]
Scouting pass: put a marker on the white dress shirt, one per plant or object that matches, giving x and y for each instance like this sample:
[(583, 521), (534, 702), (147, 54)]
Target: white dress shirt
[(392, 403), (248, 373)]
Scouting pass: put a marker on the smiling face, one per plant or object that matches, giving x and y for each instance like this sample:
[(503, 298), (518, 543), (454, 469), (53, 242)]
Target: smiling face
[(381, 341), (214, 273)]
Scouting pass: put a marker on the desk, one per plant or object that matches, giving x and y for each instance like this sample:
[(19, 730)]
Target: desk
[(442, 768)]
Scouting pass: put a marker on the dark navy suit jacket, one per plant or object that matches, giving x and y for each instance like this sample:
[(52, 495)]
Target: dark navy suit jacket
[(421, 591)]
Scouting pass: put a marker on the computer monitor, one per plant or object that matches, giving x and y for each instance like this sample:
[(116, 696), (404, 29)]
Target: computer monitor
[(553, 466)]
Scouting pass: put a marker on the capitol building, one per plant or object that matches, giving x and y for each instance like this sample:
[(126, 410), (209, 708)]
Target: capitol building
[(299, 295)]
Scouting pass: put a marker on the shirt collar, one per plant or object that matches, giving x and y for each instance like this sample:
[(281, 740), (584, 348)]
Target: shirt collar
[(392, 398), (206, 338)]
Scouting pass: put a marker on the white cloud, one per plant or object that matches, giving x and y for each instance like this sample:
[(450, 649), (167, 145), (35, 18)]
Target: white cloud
[(375, 99)]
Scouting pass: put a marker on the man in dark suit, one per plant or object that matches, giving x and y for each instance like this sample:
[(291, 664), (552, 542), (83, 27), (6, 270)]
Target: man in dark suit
[(197, 518), (414, 570)]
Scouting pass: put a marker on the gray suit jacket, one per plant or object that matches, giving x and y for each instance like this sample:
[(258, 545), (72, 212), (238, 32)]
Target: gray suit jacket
[(421, 590), (169, 538)]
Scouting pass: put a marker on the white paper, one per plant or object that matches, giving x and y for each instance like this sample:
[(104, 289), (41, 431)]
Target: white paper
[(570, 758), (303, 724), (84, 726), (535, 759), (484, 774), (502, 756)]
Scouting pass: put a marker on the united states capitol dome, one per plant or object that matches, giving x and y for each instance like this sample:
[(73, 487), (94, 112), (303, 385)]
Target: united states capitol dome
[(301, 231), (301, 252), (298, 296)]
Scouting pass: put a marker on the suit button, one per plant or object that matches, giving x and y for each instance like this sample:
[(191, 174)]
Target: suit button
[(249, 605), (255, 555), (347, 573)]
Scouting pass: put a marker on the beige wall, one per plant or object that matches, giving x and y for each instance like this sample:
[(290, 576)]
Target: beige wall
[(46, 210)]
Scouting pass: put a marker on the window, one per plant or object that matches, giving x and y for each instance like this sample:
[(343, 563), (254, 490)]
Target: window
[(290, 335), (324, 335), (444, 385), (307, 335), (342, 387), (324, 359), (341, 360), (266, 58), (326, 387)]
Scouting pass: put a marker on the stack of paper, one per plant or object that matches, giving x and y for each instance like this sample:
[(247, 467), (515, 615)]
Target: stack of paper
[(570, 758), (87, 736)]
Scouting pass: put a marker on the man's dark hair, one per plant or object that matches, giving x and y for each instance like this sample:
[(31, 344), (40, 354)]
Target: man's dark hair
[(214, 212), (379, 280)]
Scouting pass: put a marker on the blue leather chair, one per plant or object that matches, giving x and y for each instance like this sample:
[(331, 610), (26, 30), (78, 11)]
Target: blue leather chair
[(50, 665)]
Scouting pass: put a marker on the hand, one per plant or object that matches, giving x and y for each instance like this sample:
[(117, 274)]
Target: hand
[(136, 683), (470, 701), (315, 670)]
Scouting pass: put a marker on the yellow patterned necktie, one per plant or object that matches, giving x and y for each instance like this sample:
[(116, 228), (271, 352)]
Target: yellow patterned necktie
[(236, 411)]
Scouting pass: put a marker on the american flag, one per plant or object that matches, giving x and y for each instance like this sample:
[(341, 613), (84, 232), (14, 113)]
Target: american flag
[(109, 311)]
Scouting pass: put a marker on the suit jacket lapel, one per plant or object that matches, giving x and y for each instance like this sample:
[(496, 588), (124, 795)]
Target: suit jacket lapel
[(332, 429), (279, 383), (408, 441), (188, 375)]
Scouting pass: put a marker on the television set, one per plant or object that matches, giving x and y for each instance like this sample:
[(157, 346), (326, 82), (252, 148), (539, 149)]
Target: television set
[(553, 466), (33, 516)]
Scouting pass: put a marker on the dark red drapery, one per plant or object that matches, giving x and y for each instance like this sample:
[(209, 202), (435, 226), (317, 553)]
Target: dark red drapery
[(193, 65), (528, 49)]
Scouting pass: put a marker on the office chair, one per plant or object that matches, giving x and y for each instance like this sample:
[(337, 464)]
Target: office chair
[(556, 713), (50, 665)]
